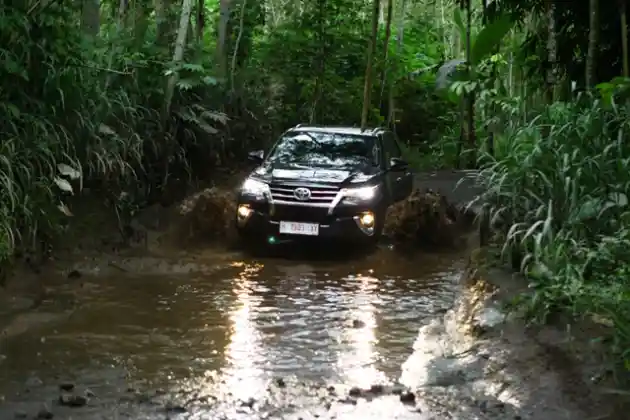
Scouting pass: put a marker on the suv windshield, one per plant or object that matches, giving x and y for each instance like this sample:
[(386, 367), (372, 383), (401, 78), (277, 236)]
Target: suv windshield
[(326, 149)]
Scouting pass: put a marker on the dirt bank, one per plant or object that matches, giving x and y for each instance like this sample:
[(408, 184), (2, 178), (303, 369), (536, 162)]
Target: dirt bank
[(491, 365)]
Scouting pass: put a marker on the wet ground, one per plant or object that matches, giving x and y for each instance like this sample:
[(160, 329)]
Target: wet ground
[(249, 339)]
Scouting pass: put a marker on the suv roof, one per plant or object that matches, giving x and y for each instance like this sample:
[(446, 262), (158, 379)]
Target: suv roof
[(338, 129)]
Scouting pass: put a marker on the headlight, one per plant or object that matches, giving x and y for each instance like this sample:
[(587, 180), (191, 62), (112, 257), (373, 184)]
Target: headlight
[(361, 194), (255, 188)]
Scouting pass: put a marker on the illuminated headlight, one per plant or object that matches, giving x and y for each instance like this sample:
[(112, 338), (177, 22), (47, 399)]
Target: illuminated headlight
[(254, 188), (361, 194)]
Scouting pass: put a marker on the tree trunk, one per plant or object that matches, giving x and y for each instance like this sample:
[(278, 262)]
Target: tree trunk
[(593, 40), (165, 26), (91, 17), (237, 46), (119, 26), (178, 55), (385, 73), (221, 52), (391, 116), (367, 88), (470, 98), (552, 51), (321, 62), (624, 37), (201, 19)]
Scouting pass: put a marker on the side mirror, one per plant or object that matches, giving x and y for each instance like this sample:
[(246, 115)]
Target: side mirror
[(256, 156), (398, 164)]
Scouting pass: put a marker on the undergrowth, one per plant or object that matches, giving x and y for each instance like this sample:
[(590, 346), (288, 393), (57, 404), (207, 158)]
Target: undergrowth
[(558, 193)]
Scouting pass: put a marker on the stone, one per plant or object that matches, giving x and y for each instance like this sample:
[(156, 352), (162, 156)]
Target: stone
[(408, 397), (71, 400)]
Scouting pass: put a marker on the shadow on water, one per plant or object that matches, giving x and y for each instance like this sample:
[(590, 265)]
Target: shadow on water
[(277, 331)]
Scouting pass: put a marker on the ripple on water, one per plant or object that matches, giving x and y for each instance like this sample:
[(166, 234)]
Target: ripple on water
[(236, 329)]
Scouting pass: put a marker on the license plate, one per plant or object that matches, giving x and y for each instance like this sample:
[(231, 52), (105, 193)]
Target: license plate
[(295, 228)]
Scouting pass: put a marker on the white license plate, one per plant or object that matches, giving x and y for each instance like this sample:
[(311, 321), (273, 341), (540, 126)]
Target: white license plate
[(295, 228)]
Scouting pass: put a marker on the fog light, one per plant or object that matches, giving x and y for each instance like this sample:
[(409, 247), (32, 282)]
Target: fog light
[(367, 219), (243, 212)]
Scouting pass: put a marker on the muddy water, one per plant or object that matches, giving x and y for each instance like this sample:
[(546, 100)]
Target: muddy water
[(277, 338)]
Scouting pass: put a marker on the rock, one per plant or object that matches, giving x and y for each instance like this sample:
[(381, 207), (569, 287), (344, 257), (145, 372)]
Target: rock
[(74, 274), (66, 386), (44, 413), (408, 397), (175, 409), (483, 406), (398, 389), (377, 389), (89, 394), (248, 403), (71, 400), (357, 323), (355, 392), (280, 383), (351, 401)]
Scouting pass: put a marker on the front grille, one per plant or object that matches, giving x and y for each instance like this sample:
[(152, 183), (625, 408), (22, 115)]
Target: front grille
[(290, 213), (320, 195)]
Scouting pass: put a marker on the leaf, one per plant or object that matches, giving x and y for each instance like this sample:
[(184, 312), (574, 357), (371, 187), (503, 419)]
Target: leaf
[(620, 199), (64, 185), (64, 209), (459, 23), (68, 171), (210, 81), (489, 38), (105, 129)]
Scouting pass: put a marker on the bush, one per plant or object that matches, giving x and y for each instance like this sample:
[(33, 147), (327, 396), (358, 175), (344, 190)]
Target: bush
[(560, 190)]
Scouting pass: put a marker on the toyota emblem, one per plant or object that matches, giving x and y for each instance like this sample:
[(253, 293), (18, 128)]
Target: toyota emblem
[(302, 194)]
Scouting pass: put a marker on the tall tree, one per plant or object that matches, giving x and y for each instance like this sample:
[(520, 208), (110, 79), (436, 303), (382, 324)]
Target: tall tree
[(386, 72), (593, 41), (371, 50), (552, 51)]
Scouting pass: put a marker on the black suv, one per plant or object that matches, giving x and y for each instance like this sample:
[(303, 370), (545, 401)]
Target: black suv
[(327, 182)]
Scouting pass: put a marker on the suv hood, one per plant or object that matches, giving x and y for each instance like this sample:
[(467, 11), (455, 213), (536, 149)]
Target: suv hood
[(274, 172)]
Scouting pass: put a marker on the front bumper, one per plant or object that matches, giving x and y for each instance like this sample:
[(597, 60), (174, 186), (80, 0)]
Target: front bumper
[(343, 225)]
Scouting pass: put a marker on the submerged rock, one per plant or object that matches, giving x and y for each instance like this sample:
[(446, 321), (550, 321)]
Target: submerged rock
[(71, 400), (408, 397), (44, 413)]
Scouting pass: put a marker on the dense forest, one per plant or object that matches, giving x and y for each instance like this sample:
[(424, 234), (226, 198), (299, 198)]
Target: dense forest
[(125, 97)]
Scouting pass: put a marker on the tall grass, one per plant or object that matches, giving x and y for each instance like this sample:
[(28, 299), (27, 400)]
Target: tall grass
[(68, 119), (559, 186)]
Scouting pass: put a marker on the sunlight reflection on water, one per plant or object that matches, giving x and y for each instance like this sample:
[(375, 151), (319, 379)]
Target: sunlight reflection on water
[(245, 356), (356, 362)]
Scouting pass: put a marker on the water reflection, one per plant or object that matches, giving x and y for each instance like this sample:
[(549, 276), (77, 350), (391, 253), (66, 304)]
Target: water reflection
[(244, 375), (357, 362)]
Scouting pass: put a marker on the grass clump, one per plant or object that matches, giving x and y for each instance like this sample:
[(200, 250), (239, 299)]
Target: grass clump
[(559, 194)]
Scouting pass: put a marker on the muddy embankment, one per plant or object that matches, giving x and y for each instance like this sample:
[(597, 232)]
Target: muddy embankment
[(486, 361)]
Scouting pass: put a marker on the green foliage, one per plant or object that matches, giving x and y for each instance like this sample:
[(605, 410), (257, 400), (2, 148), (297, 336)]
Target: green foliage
[(560, 189), (94, 101)]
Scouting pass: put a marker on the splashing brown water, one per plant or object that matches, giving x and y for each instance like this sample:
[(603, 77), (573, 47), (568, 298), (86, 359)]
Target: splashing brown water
[(253, 339)]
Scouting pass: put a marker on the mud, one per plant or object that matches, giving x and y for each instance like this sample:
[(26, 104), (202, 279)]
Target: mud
[(482, 361)]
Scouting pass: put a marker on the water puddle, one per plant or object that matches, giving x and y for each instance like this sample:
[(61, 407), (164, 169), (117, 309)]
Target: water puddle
[(256, 339)]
